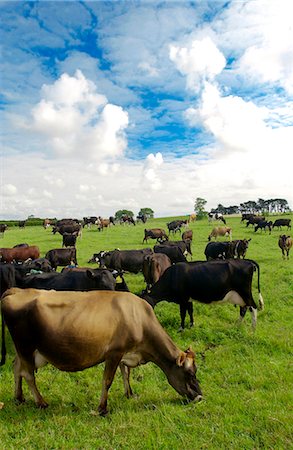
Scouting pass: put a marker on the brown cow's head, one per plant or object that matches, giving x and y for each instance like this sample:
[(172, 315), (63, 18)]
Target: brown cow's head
[(182, 376)]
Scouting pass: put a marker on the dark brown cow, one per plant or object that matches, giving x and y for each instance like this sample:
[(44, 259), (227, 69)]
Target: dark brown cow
[(3, 228), (69, 239), (154, 266), (285, 243), (155, 233), (117, 328), (22, 223), (61, 257), (19, 254), (187, 235), (282, 223)]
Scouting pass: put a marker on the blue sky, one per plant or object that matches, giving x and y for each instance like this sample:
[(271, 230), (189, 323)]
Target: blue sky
[(131, 104)]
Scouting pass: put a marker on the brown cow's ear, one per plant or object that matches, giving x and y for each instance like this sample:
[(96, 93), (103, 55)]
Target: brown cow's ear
[(181, 359)]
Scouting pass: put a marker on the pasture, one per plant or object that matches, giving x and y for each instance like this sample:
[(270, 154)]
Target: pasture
[(246, 377)]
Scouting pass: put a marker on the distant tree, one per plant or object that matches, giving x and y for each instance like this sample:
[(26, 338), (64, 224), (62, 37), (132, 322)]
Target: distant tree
[(123, 212), (199, 208), (147, 211)]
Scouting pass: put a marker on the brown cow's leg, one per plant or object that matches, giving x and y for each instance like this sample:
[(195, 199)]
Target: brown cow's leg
[(18, 392), (109, 373), (26, 370), (125, 371)]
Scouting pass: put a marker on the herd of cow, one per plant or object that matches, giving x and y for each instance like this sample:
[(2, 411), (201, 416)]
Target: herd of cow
[(96, 319)]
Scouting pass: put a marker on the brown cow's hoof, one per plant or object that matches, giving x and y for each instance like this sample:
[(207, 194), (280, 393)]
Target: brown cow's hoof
[(102, 412), (42, 405)]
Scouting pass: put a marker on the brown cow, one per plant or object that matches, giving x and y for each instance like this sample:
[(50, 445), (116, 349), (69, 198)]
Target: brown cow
[(154, 266), (285, 243), (117, 328), (102, 223), (188, 234), (155, 233), (19, 254), (220, 231)]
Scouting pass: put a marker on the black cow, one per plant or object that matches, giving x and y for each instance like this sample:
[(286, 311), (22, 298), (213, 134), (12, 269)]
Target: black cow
[(61, 257), (263, 225), (226, 250), (173, 252), (184, 245), (282, 223), (7, 280), (176, 225), (227, 281), (69, 228), (69, 239), (21, 223), (254, 220), (141, 218), (120, 281), (91, 279), (218, 250), (3, 228), (37, 265), (129, 260)]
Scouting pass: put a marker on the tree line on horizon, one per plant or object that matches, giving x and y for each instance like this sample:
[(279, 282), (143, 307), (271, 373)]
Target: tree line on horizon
[(261, 206)]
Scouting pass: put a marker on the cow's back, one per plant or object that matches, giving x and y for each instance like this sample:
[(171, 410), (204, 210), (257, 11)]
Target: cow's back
[(101, 319)]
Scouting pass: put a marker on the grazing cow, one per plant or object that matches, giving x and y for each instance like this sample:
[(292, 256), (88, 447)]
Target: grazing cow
[(68, 228), (282, 223), (69, 239), (117, 328), (285, 243), (207, 282), (129, 260), (172, 251), (141, 218), (103, 223), (155, 233), (239, 247), (21, 223), (90, 279), (24, 245), (120, 283), (218, 250), (187, 235), (92, 220), (216, 216), (61, 257), (153, 267), (3, 228), (19, 254), (226, 250), (220, 231), (263, 225), (127, 219), (247, 216), (7, 280), (254, 220), (39, 265), (185, 246), (47, 223), (176, 225)]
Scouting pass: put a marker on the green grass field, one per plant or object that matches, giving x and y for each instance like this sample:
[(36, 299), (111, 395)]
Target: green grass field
[(246, 377)]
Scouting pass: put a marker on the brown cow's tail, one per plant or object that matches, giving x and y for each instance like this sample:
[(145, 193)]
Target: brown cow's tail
[(3, 345), (260, 299)]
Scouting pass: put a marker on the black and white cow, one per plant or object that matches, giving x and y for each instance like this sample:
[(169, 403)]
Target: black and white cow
[(228, 281)]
